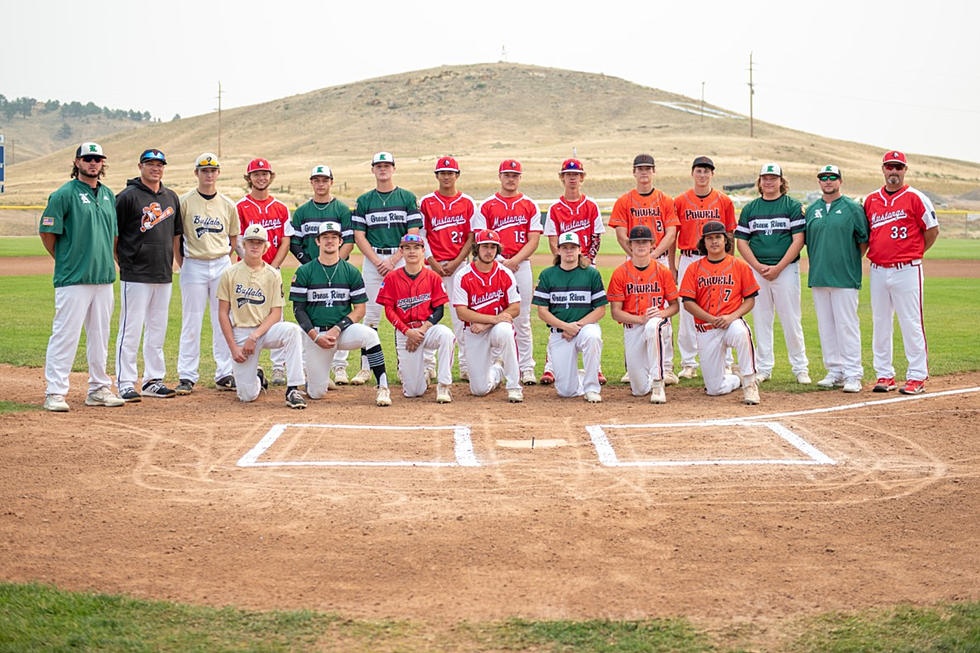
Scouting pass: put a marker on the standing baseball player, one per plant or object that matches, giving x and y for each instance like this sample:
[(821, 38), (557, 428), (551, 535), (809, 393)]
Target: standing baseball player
[(149, 222), (719, 290), (694, 208), (836, 240), (770, 236), (250, 301), (203, 252), (903, 226), (260, 207), (323, 207), (414, 301), (78, 229), (446, 217), (516, 219), (487, 300), (328, 301), (643, 297), (571, 300), (382, 216)]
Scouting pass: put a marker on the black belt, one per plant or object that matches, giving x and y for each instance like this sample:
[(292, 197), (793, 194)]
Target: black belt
[(690, 252), (385, 250), (556, 330)]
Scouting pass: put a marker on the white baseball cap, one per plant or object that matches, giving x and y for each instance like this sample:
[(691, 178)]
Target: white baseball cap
[(207, 160), (830, 170), (321, 171), (89, 149), (569, 238), (329, 228), (383, 157), (255, 232), (771, 169)]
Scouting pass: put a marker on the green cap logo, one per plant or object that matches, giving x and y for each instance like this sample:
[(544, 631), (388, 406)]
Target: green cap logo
[(770, 168), (92, 147), (382, 157), (319, 168)]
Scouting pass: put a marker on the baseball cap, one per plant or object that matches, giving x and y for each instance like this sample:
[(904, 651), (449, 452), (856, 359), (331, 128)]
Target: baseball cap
[(572, 165), (153, 154), (704, 162), (207, 160), (89, 149), (643, 160), (257, 164), (382, 157), (771, 169), (830, 170), (321, 171), (487, 236), (569, 238), (447, 164), (255, 232), (329, 228), (641, 232), (713, 227), (510, 165), (894, 157), (411, 239)]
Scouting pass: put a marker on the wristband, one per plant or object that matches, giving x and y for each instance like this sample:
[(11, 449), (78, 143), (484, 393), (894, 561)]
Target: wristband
[(344, 323)]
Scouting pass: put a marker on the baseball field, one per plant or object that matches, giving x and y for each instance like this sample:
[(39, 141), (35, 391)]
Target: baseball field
[(814, 521)]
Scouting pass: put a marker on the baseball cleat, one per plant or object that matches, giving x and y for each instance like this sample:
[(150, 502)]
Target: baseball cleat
[(528, 378), (750, 394), (226, 382), (548, 378), (515, 396), (803, 378), (761, 377), (593, 397), (331, 384), (626, 378), (294, 399), (688, 372), (671, 379), (442, 394), (278, 376), (156, 388), (263, 382), (657, 394), (185, 387), (384, 397), (913, 388), (103, 397), (130, 395), (340, 376), (361, 377), (830, 381), (602, 378), (852, 385), (55, 403), (884, 384)]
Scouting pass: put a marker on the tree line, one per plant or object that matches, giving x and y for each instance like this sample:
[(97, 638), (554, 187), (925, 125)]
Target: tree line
[(25, 106)]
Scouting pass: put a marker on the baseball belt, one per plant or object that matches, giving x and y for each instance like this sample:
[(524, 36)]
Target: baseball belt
[(385, 250), (690, 252), (898, 266)]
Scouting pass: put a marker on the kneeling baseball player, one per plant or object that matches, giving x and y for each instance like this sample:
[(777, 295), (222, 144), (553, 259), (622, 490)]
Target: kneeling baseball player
[(643, 297), (719, 290), (487, 300), (250, 302), (571, 300), (329, 301), (414, 301)]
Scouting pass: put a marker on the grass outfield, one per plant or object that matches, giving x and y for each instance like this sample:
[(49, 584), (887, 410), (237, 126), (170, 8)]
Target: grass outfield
[(39, 617)]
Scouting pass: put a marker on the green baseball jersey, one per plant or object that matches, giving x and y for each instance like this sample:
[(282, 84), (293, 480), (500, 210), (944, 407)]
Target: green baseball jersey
[(386, 217), (769, 226), (327, 292), (572, 294), (832, 237), (84, 220), (308, 218)]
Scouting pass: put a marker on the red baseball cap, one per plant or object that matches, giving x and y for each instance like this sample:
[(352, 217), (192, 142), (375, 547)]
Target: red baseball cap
[(572, 165), (510, 165), (257, 164), (447, 164), (487, 236), (894, 157)]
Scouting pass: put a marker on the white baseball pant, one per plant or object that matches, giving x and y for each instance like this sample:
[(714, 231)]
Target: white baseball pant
[(199, 289), (372, 283), (143, 311), (281, 335), (522, 323), (687, 342), (319, 360), (645, 348), (563, 356), (898, 291), (84, 305), (840, 331), (449, 283), (713, 345), (484, 349), (439, 339), (780, 297)]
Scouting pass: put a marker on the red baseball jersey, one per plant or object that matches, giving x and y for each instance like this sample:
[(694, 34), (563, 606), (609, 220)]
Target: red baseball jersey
[(897, 225), (271, 214), (639, 290), (511, 217), (655, 211), (719, 288), (582, 217), (693, 211), (446, 222), (408, 302), (488, 293)]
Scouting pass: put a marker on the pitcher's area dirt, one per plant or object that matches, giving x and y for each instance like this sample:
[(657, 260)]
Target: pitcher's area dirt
[(148, 500)]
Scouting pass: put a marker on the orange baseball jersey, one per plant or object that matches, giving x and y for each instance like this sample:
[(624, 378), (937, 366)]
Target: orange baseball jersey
[(407, 301), (655, 210), (446, 221), (271, 214), (693, 211), (720, 287), (640, 290)]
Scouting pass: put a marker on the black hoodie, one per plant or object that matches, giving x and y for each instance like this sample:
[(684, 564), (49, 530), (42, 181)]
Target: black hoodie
[(148, 222)]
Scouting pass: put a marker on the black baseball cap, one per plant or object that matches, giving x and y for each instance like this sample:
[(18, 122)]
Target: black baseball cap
[(704, 162), (641, 232), (153, 154), (712, 227), (643, 160)]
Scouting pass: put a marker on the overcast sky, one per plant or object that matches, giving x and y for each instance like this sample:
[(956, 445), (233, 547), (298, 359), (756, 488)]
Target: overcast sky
[(907, 79)]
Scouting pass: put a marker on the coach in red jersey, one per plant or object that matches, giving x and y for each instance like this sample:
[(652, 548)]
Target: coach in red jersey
[(903, 226)]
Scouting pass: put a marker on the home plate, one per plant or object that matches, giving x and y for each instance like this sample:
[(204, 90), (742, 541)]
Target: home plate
[(527, 444)]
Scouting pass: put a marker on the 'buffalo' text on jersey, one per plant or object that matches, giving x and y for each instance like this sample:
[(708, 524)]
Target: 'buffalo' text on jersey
[(640, 289), (271, 214), (897, 222), (654, 210), (582, 217), (514, 218), (693, 211), (251, 293), (408, 300), (489, 293), (327, 292), (446, 221), (572, 294), (386, 217), (209, 222), (718, 287)]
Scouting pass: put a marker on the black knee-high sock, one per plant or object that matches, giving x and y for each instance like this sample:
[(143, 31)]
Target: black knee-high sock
[(376, 360)]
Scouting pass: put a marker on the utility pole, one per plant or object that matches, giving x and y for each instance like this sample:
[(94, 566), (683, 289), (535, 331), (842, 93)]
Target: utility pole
[(702, 101), (751, 93), (219, 120)]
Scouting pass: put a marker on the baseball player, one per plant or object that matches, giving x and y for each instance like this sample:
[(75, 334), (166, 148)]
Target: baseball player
[(571, 300), (643, 297), (203, 252), (382, 216), (78, 229), (446, 218), (516, 219), (903, 226), (250, 302), (306, 220), (149, 220), (719, 290), (260, 207), (414, 301), (770, 236), (694, 208), (487, 301), (328, 301), (836, 240)]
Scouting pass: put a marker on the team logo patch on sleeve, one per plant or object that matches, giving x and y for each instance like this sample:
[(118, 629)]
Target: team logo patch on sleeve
[(47, 221)]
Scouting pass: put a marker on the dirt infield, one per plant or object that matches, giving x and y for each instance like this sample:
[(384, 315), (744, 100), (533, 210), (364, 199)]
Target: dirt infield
[(149, 500)]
